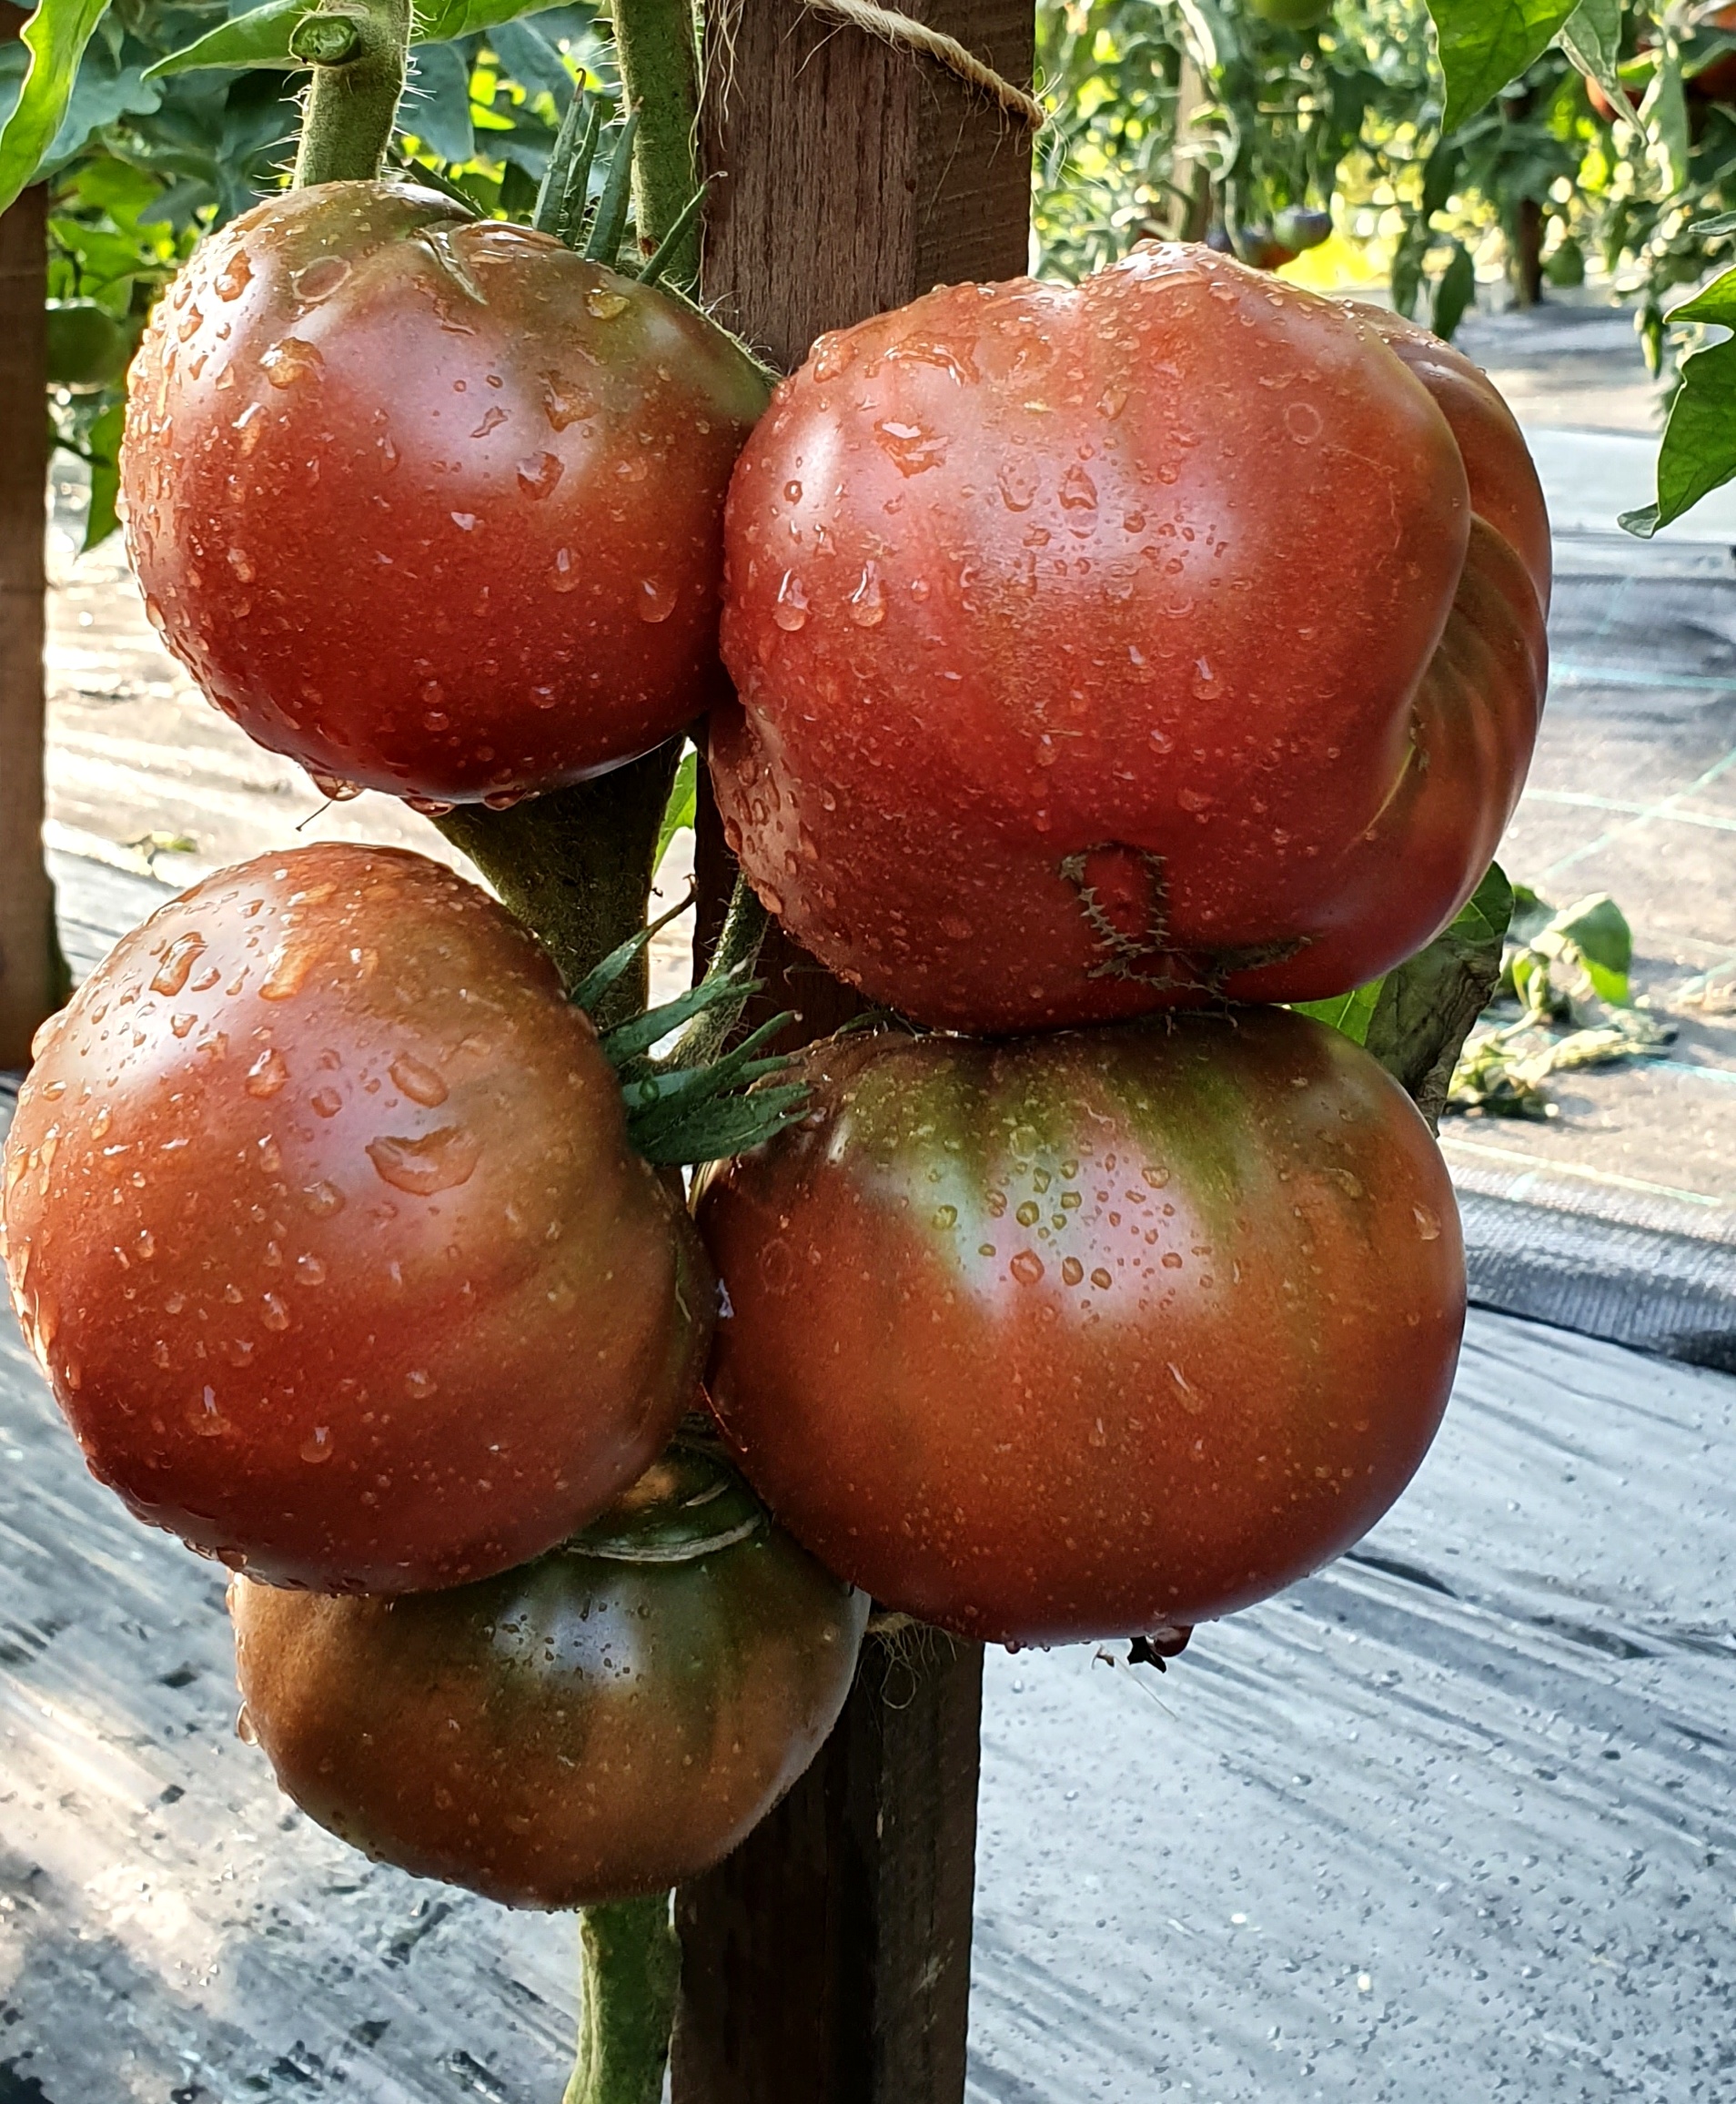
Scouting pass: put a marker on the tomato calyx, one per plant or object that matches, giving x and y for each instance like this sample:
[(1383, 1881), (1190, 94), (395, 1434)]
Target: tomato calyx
[(1158, 1646), (689, 1504)]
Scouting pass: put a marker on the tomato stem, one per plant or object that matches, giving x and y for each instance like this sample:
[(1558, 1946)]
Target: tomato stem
[(352, 106), (575, 866), (630, 1967), (659, 55)]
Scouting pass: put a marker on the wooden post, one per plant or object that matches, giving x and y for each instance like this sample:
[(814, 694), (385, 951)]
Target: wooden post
[(32, 982), (828, 1961)]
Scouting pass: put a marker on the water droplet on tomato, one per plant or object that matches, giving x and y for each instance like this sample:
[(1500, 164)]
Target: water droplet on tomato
[(291, 360), (1302, 421), (1017, 482), (322, 1200), (1027, 1267), (1078, 491), (437, 1161), (604, 303), (912, 450), (1101, 1279), (232, 280), (335, 787), (655, 599), (274, 1313), (286, 968), (539, 474), (179, 961), (267, 1074), (310, 1270), (244, 1729), (319, 1447), (420, 1384), (321, 277), (831, 355), (209, 1421), (564, 573), (565, 401), (945, 1216), (792, 492), (419, 1081), (791, 612), (868, 602), (1428, 1223)]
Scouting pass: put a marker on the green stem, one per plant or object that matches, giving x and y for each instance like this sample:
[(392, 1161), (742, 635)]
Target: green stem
[(659, 55), (631, 1964), (738, 948), (353, 106), (576, 866)]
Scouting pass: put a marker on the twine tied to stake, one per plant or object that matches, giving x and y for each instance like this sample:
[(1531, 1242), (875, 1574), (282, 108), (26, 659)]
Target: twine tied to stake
[(906, 34)]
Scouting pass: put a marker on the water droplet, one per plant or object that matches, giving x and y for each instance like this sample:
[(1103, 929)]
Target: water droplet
[(285, 970), (336, 789), (239, 563), (179, 961), (291, 360), (309, 1271), (244, 1729), (1078, 491), (1028, 1213), (1112, 401), (235, 277), (1017, 482), (319, 1447), (267, 1074), (146, 1245), (275, 1314), (564, 574), (1303, 421), (1428, 1223), (326, 1102), (437, 1162), (565, 402), (912, 450), (1101, 1279), (491, 420), (791, 612), (209, 1421), (831, 355), (604, 303), (322, 1200), (321, 277), (868, 602), (655, 599), (464, 521), (792, 492), (1026, 1268), (100, 1124), (419, 1081), (1071, 1270), (539, 474), (420, 1384), (945, 1216)]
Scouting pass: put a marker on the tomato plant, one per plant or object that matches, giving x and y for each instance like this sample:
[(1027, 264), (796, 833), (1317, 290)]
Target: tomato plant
[(320, 1215), (605, 1722), (440, 512), (1093, 1334), (1102, 647)]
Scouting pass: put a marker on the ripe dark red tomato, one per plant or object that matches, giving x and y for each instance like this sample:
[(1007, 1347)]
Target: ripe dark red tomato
[(1090, 1334), (1103, 647), (320, 1215), (429, 502), (609, 1720)]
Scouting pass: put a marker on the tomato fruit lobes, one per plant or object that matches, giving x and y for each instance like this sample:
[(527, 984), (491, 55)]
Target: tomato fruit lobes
[(608, 1721), (1107, 647), (429, 502), (1092, 1334), (320, 1216)]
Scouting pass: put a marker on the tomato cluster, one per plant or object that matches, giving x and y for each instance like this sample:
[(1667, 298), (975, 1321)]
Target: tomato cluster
[(1105, 654)]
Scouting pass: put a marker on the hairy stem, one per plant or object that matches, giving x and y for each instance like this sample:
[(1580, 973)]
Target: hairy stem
[(353, 105), (575, 866), (630, 1965), (659, 55)]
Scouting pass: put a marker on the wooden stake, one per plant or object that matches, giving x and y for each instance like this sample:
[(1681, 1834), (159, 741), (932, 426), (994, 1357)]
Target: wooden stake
[(828, 1961), (32, 982)]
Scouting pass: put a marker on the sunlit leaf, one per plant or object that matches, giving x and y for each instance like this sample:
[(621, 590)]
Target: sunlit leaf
[(1485, 44), (1699, 451), (56, 36), (1593, 40), (1350, 1013), (1427, 1007), (258, 38), (103, 442), (678, 812)]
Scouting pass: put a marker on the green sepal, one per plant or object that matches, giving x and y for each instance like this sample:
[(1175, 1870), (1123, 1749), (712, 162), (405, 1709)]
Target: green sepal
[(597, 982), (729, 1125), (659, 260), (627, 1041), (608, 228), (565, 189), (1427, 1007)]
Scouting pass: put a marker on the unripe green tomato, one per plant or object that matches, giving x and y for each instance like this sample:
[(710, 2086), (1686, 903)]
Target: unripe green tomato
[(1291, 13), (605, 1722), (1297, 227), (87, 348), (1567, 265)]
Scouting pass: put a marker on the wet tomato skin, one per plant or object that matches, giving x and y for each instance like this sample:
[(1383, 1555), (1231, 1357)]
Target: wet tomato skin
[(320, 1216), (429, 502), (1090, 1334), (590, 1727), (1107, 647)]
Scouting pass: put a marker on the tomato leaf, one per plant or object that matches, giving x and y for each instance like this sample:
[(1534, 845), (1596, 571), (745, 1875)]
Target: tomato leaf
[(56, 36), (1350, 1013), (1593, 40), (1427, 1007), (1484, 44), (1456, 291), (258, 38), (680, 811), (438, 21), (1699, 451), (104, 442)]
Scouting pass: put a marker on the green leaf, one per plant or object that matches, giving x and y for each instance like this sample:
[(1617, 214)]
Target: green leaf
[(1603, 943), (258, 38), (1427, 1007), (56, 36), (1664, 116), (1456, 291), (1699, 451), (1720, 223), (1485, 44), (1350, 1013), (680, 811), (438, 21), (104, 442), (1593, 40), (437, 102)]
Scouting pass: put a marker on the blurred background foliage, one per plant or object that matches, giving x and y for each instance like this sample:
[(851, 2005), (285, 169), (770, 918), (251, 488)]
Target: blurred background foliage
[(1254, 122)]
